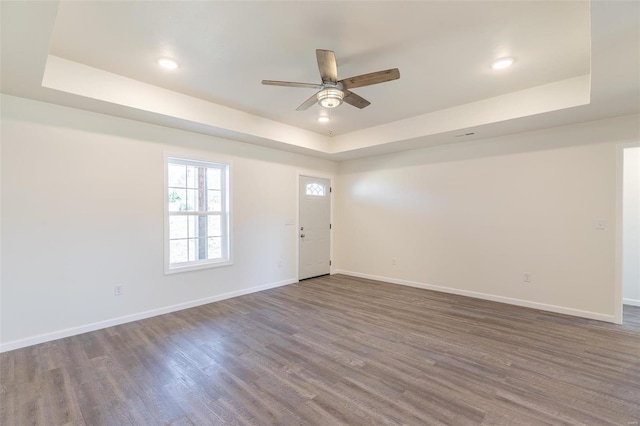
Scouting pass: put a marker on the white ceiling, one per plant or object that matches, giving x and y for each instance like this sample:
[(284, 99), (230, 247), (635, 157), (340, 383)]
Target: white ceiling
[(101, 55)]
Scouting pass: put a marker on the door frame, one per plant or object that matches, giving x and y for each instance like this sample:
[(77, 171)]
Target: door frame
[(618, 296), (330, 178)]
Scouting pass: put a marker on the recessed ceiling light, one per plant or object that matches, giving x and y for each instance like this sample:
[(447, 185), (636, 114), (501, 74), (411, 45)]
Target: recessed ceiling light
[(502, 63), (323, 119), (167, 63)]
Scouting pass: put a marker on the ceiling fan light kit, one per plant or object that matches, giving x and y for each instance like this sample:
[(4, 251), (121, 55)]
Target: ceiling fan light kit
[(334, 92), (330, 98)]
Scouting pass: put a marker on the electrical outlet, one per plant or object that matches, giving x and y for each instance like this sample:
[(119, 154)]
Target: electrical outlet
[(527, 277), (394, 262), (600, 224), (117, 290)]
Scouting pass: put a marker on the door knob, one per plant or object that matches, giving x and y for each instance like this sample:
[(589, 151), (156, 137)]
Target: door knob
[(301, 235)]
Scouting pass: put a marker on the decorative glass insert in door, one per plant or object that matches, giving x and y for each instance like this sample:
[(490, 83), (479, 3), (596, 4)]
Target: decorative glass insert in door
[(316, 189)]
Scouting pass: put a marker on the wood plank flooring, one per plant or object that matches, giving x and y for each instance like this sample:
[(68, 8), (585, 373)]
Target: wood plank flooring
[(329, 351)]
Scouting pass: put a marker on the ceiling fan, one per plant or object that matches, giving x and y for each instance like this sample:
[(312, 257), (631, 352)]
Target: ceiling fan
[(332, 92)]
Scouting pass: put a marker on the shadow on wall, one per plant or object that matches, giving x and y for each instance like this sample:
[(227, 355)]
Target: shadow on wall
[(142, 129), (619, 129)]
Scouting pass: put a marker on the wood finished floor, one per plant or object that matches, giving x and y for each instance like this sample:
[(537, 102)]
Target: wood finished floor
[(329, 351)]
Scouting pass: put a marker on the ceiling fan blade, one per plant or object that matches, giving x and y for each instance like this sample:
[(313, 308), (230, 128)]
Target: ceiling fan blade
[(292, 84), (327, 65), (371, 78), (306, 104), (355, 100)]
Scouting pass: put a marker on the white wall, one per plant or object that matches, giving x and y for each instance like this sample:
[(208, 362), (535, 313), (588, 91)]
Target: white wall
[(471, 218), (82, 210), (631, 226), (82, 198)]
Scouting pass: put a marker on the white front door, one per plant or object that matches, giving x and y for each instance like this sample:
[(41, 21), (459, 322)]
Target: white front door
[(314, 229)]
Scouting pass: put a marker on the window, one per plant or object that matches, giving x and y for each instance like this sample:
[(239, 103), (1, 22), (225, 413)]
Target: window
[(315, 189), (196, 215)]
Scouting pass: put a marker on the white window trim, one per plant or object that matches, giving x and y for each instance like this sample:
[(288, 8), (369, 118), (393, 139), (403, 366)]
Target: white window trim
[(226, 214)]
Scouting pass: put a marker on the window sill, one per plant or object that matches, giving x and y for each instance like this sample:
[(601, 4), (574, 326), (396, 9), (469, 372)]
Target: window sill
[(195, 267)]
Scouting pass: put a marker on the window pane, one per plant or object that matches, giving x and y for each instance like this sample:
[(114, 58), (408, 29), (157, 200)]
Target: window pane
[(177, 227), (214, 178), (177, 175), (192, 200), (178, 251), (177, 199), (215, 248), (193, 226), (193, 249), (192, 177), (198, 225), (214, 201), (213, 226)]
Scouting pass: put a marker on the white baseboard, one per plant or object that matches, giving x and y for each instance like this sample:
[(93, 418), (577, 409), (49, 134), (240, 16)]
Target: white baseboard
[(632, 302), (60, 334), (485, 296)]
